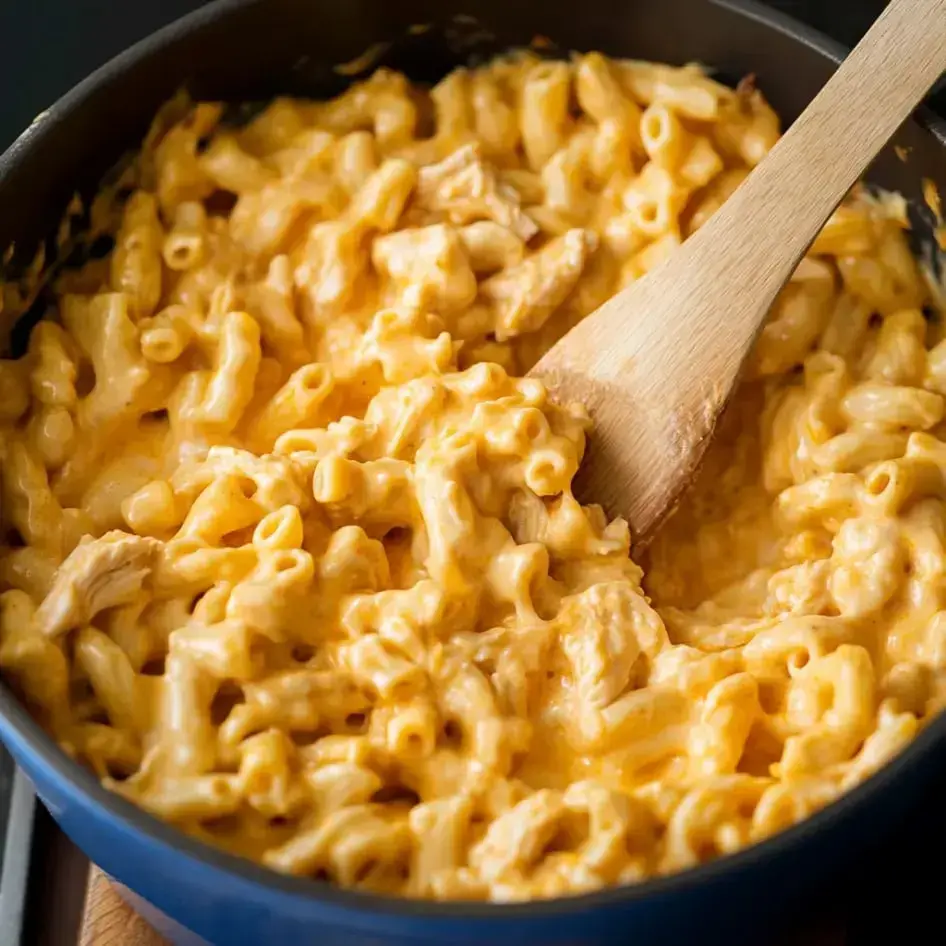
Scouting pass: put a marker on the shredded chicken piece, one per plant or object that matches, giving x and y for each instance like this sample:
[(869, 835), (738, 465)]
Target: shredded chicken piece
[(98, 574), (607, 627), (524, 296), (465, 188), (427, 268)]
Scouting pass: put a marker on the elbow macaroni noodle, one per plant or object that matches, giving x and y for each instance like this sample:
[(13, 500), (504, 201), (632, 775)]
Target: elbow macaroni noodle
[(291, 556)]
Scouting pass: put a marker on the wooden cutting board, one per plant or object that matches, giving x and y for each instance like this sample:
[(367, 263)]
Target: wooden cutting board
[(108, 921)]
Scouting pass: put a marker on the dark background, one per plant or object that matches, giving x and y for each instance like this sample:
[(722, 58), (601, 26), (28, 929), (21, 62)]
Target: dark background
[(896, 896)]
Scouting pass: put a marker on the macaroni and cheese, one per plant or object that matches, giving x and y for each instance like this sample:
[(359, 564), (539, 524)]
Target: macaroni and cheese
[(291, 555)]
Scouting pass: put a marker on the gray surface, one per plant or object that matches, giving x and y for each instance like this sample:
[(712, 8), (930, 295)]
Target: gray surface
[(17, 816)]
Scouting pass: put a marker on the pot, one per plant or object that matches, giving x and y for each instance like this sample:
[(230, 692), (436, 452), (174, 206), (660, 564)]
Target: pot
[(241, 50)]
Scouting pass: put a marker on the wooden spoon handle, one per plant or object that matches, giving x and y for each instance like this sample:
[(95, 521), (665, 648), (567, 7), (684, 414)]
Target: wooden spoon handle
[(765, 228)]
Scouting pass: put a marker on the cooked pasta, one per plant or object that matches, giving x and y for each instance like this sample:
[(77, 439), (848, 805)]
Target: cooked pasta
[(291, 556)]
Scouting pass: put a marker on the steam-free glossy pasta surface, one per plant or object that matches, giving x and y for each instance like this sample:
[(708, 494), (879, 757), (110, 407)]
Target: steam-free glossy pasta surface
[(292, 557)]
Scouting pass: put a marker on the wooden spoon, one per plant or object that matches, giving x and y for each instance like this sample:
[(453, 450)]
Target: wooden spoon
[(657, 363)]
